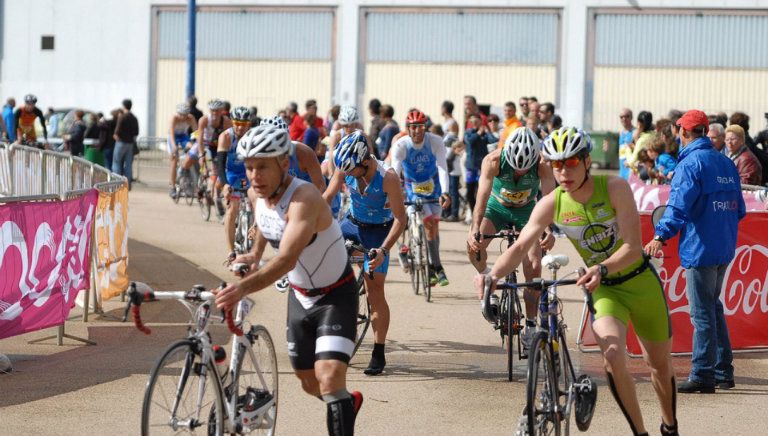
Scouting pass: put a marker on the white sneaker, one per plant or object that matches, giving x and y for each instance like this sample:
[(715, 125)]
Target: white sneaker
[(282, 285)]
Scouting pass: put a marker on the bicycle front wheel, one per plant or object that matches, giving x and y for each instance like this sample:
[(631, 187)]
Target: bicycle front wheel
[(414, 263), (424, 261), (508, 330), (183, 395), (258, 378), (541, 390), (363, 313)]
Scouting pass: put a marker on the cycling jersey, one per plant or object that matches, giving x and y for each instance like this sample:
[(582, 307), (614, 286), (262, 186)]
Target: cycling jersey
[(321, 263), (25, 123), (293, 165), (424, 167), (235, 168), (511, 202), (370, 207), (593, 230), (211, 135)]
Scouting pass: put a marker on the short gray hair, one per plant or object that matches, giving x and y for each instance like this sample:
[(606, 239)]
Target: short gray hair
[(717, 129)]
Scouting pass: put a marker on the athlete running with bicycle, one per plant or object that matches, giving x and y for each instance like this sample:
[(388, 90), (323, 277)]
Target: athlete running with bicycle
[(510, 179), (293, 217), (375, 220), (599, 216), (25, 117), (233, 168), (182, 123), (421, 158)]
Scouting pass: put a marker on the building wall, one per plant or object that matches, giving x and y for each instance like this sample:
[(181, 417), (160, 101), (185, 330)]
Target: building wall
[(269, 85)]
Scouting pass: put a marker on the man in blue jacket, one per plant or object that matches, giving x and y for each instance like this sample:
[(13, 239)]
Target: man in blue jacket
[(705, 206)]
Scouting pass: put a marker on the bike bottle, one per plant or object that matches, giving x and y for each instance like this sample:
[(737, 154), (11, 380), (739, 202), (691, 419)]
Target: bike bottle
[(220, 357)]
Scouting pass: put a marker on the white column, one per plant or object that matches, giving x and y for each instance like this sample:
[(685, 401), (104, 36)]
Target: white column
[(347, 49), (573, 57)]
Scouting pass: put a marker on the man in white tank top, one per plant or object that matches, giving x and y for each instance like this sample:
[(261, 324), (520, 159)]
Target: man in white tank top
[(292, 216)]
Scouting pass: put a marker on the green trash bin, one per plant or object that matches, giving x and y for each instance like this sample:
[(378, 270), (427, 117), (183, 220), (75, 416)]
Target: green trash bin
[(605, 159)]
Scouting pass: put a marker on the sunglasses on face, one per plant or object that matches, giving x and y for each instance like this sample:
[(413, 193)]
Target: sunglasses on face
[(417, 126), (571, 162), (241, 123)]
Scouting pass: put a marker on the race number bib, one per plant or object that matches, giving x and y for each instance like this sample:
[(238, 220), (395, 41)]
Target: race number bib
[(423, 188), (517, 198)]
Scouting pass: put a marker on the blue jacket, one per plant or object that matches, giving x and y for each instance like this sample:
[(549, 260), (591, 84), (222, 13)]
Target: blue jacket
[(477, 147), (10, 123), (705, 206)]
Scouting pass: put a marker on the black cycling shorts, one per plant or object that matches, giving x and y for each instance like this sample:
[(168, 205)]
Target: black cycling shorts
[(326, 331)]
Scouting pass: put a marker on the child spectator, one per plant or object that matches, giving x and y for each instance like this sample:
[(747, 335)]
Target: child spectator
[(664, 163)]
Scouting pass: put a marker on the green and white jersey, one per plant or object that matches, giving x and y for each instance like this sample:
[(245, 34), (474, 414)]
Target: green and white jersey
[(518, 193), (592, 227)]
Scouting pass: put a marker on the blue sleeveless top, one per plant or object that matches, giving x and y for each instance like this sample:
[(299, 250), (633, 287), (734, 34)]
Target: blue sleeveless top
[(370, 207), (420, 172), (235, 167)]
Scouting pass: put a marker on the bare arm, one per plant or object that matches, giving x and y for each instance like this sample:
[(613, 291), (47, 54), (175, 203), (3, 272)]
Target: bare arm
[(201, 126), (171, 133), (488, 170), (223, 144), (309, 164), (396, 204), (334, 186)]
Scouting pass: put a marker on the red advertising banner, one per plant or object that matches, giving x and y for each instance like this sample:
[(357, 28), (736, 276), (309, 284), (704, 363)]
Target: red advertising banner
[(44, 261), (744, 294)]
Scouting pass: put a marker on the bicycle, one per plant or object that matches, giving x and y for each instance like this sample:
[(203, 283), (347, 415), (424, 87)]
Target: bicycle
[(186, 181), (418, 255), (204, 198), (243, 243), (364, 306), (510, 319), (553, 391), (186, 391)]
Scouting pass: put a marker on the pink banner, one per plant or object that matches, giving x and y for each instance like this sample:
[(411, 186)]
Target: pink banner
[(648, 197), (44, 261)]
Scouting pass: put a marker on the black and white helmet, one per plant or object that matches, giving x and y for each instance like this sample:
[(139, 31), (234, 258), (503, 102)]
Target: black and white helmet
[(240, 113), (348, 115), (182, 109), (263, 141), (276, 121), (521, 149), (216, 104), (30, 99)]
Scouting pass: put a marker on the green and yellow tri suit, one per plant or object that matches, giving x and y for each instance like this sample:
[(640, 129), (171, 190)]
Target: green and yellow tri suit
[(594, 232), (511, 202)]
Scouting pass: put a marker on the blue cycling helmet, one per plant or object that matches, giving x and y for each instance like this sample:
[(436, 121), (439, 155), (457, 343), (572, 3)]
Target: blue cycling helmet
[(351, 151)]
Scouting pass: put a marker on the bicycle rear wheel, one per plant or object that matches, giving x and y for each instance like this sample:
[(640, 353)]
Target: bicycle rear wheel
[(179, 382), (258, 377), (204, 199), (414, 252), (363, 313), (541, 389)]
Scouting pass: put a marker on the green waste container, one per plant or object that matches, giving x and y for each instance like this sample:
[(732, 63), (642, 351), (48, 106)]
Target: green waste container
[(605, 159)]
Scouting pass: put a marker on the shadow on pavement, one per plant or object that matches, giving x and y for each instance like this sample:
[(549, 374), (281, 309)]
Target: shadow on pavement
[(122, 350)]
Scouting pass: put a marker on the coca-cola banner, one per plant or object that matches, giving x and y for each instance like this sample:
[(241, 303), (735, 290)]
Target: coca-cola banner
[(44, 261)]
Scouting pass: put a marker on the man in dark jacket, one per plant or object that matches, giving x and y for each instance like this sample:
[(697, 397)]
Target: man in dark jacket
[(126, 130), (705, 206), (476, 140)]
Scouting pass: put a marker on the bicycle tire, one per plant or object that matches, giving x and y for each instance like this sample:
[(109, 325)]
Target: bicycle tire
[(424, 260), (414, 251), (190, 190), (166, 378), (509, 309), (177, 192), (541, 389), (564, 378), (258, 370), (363, 313)]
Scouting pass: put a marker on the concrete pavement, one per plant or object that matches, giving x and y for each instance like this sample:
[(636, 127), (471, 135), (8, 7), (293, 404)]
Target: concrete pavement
[(446, 371)]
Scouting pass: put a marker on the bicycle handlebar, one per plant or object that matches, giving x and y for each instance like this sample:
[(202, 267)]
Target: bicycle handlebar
[(422, 201), (352, 246), (196, 294)]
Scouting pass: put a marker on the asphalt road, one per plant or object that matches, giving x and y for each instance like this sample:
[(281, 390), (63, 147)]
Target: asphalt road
[(446, 371)]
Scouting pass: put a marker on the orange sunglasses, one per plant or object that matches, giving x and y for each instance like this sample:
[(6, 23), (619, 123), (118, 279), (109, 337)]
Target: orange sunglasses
[(571, 162)]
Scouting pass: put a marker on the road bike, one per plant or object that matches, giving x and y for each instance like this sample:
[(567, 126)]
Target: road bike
[(553, 391), (186, 181), (355, 252), (418, 262), (508, 318), (186, 392)]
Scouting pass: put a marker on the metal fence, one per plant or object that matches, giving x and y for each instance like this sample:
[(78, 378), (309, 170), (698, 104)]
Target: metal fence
[(152, 154), (28, 172)]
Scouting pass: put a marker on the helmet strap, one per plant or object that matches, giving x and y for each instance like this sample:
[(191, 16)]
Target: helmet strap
[(586, 176), (280, 188)]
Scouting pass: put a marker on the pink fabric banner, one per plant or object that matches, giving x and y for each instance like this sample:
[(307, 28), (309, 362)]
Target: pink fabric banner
[(44, 261), (648, 197)]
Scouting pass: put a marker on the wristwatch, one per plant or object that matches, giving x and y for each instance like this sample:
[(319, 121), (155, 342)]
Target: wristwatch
[(603, 270), (386, 252), (658, 238)]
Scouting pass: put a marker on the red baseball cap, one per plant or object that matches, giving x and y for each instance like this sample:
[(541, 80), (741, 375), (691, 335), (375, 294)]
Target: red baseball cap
[(692, 119)]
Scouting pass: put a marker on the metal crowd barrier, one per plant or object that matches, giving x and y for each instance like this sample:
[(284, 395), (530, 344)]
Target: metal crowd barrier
[(152, 154), (27, 171)]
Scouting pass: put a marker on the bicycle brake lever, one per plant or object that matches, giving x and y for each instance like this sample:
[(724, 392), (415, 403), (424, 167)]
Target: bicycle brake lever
[(372, 255)]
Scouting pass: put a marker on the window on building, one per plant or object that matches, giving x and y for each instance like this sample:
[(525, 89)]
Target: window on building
[(46, 42)]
